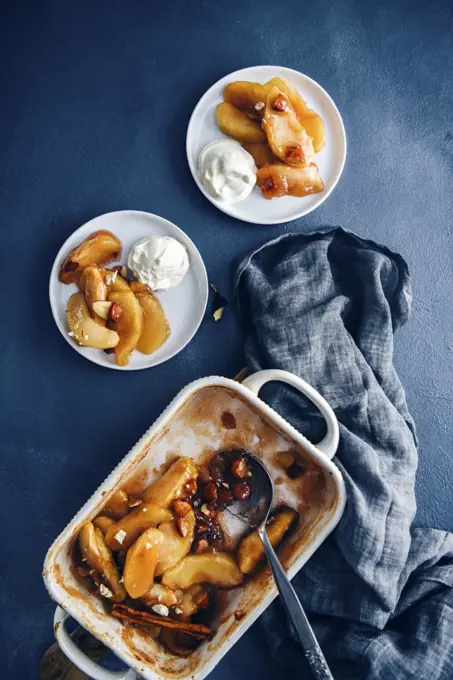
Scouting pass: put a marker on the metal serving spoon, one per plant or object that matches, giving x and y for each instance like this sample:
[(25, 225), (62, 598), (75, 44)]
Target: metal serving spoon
[(255, 511)]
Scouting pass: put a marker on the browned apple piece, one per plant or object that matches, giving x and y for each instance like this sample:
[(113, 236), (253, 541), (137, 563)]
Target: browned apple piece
[(251, 551), (141, 560), (175, 546), (95, 552), (311, 120), (156, 329), (279, 180), (92, 284), (170, 486), (118, 505), (84, 328), (237, 124), (219, 569), (129, 325), (122, 534), (246, 96), (193, 599), (99, 248), (103, 523), (286, 135), (159, 594), (261, 153)]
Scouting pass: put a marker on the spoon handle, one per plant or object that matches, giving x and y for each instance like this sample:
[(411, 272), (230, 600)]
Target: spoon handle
[(296, 614)]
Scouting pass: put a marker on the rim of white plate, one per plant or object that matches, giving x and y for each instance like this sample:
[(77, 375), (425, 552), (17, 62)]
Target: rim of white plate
[(197, 270), (241, 210)]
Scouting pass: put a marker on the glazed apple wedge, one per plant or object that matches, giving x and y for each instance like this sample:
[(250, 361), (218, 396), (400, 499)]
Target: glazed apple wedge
[(237, 124), (99, 248), (311, 120), (286, 135), (129, 324), (156, 329), (84, 329), (277, 180), (220, 569)]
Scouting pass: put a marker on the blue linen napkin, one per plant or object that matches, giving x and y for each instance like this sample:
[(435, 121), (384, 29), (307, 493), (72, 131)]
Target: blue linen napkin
[(379, 591)]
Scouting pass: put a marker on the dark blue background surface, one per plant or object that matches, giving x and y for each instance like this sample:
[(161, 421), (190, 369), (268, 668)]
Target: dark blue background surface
[(95, 100)]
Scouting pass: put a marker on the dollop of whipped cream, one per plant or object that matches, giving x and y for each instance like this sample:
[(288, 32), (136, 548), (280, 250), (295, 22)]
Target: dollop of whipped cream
[(161, 262), (227, 170)]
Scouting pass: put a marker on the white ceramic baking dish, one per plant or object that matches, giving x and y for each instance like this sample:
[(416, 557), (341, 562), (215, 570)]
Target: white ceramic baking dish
[(190, 426)]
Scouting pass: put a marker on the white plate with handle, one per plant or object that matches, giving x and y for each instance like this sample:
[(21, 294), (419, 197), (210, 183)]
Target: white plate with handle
[(184, 305), (330, 160)]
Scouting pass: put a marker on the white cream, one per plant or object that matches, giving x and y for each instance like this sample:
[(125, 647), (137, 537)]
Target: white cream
[(161, 262), (227, 170)]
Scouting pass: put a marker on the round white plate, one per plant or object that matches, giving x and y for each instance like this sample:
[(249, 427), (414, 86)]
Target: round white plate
[(330, 160), (184, 305)]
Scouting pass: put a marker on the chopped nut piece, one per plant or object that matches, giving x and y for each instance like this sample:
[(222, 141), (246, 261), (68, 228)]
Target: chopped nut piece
[(120, 536), (105, 592), (160, 609), (181, 508), (218, 313), (182, 526), (239, 469), (226, 485), (178, 610), (189, 488), (205, 510), (259, 106), (115, 312), (210, 492), (280, 103), (110, 277), (241, 491), (224, 498), (239, 614), (295, 153)]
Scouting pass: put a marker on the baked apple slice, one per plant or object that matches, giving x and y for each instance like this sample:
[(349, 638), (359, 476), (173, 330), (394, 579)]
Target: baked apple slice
[(156, 329), (277, 180), (141, 560), (286, 135), (122, 534), (92, 283), (251, 551), (311, 120), (177, 541), (128, 325), (84, 329), (99, 248), (171, 485), (249, 97), (95, 552), (220, 569), (237, 124)]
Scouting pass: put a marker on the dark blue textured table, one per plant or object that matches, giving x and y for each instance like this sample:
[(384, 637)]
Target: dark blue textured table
[(95, 100)]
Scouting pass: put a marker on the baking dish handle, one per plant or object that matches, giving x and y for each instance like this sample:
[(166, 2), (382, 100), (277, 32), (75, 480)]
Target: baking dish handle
[(81, 660), (329, 444)]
